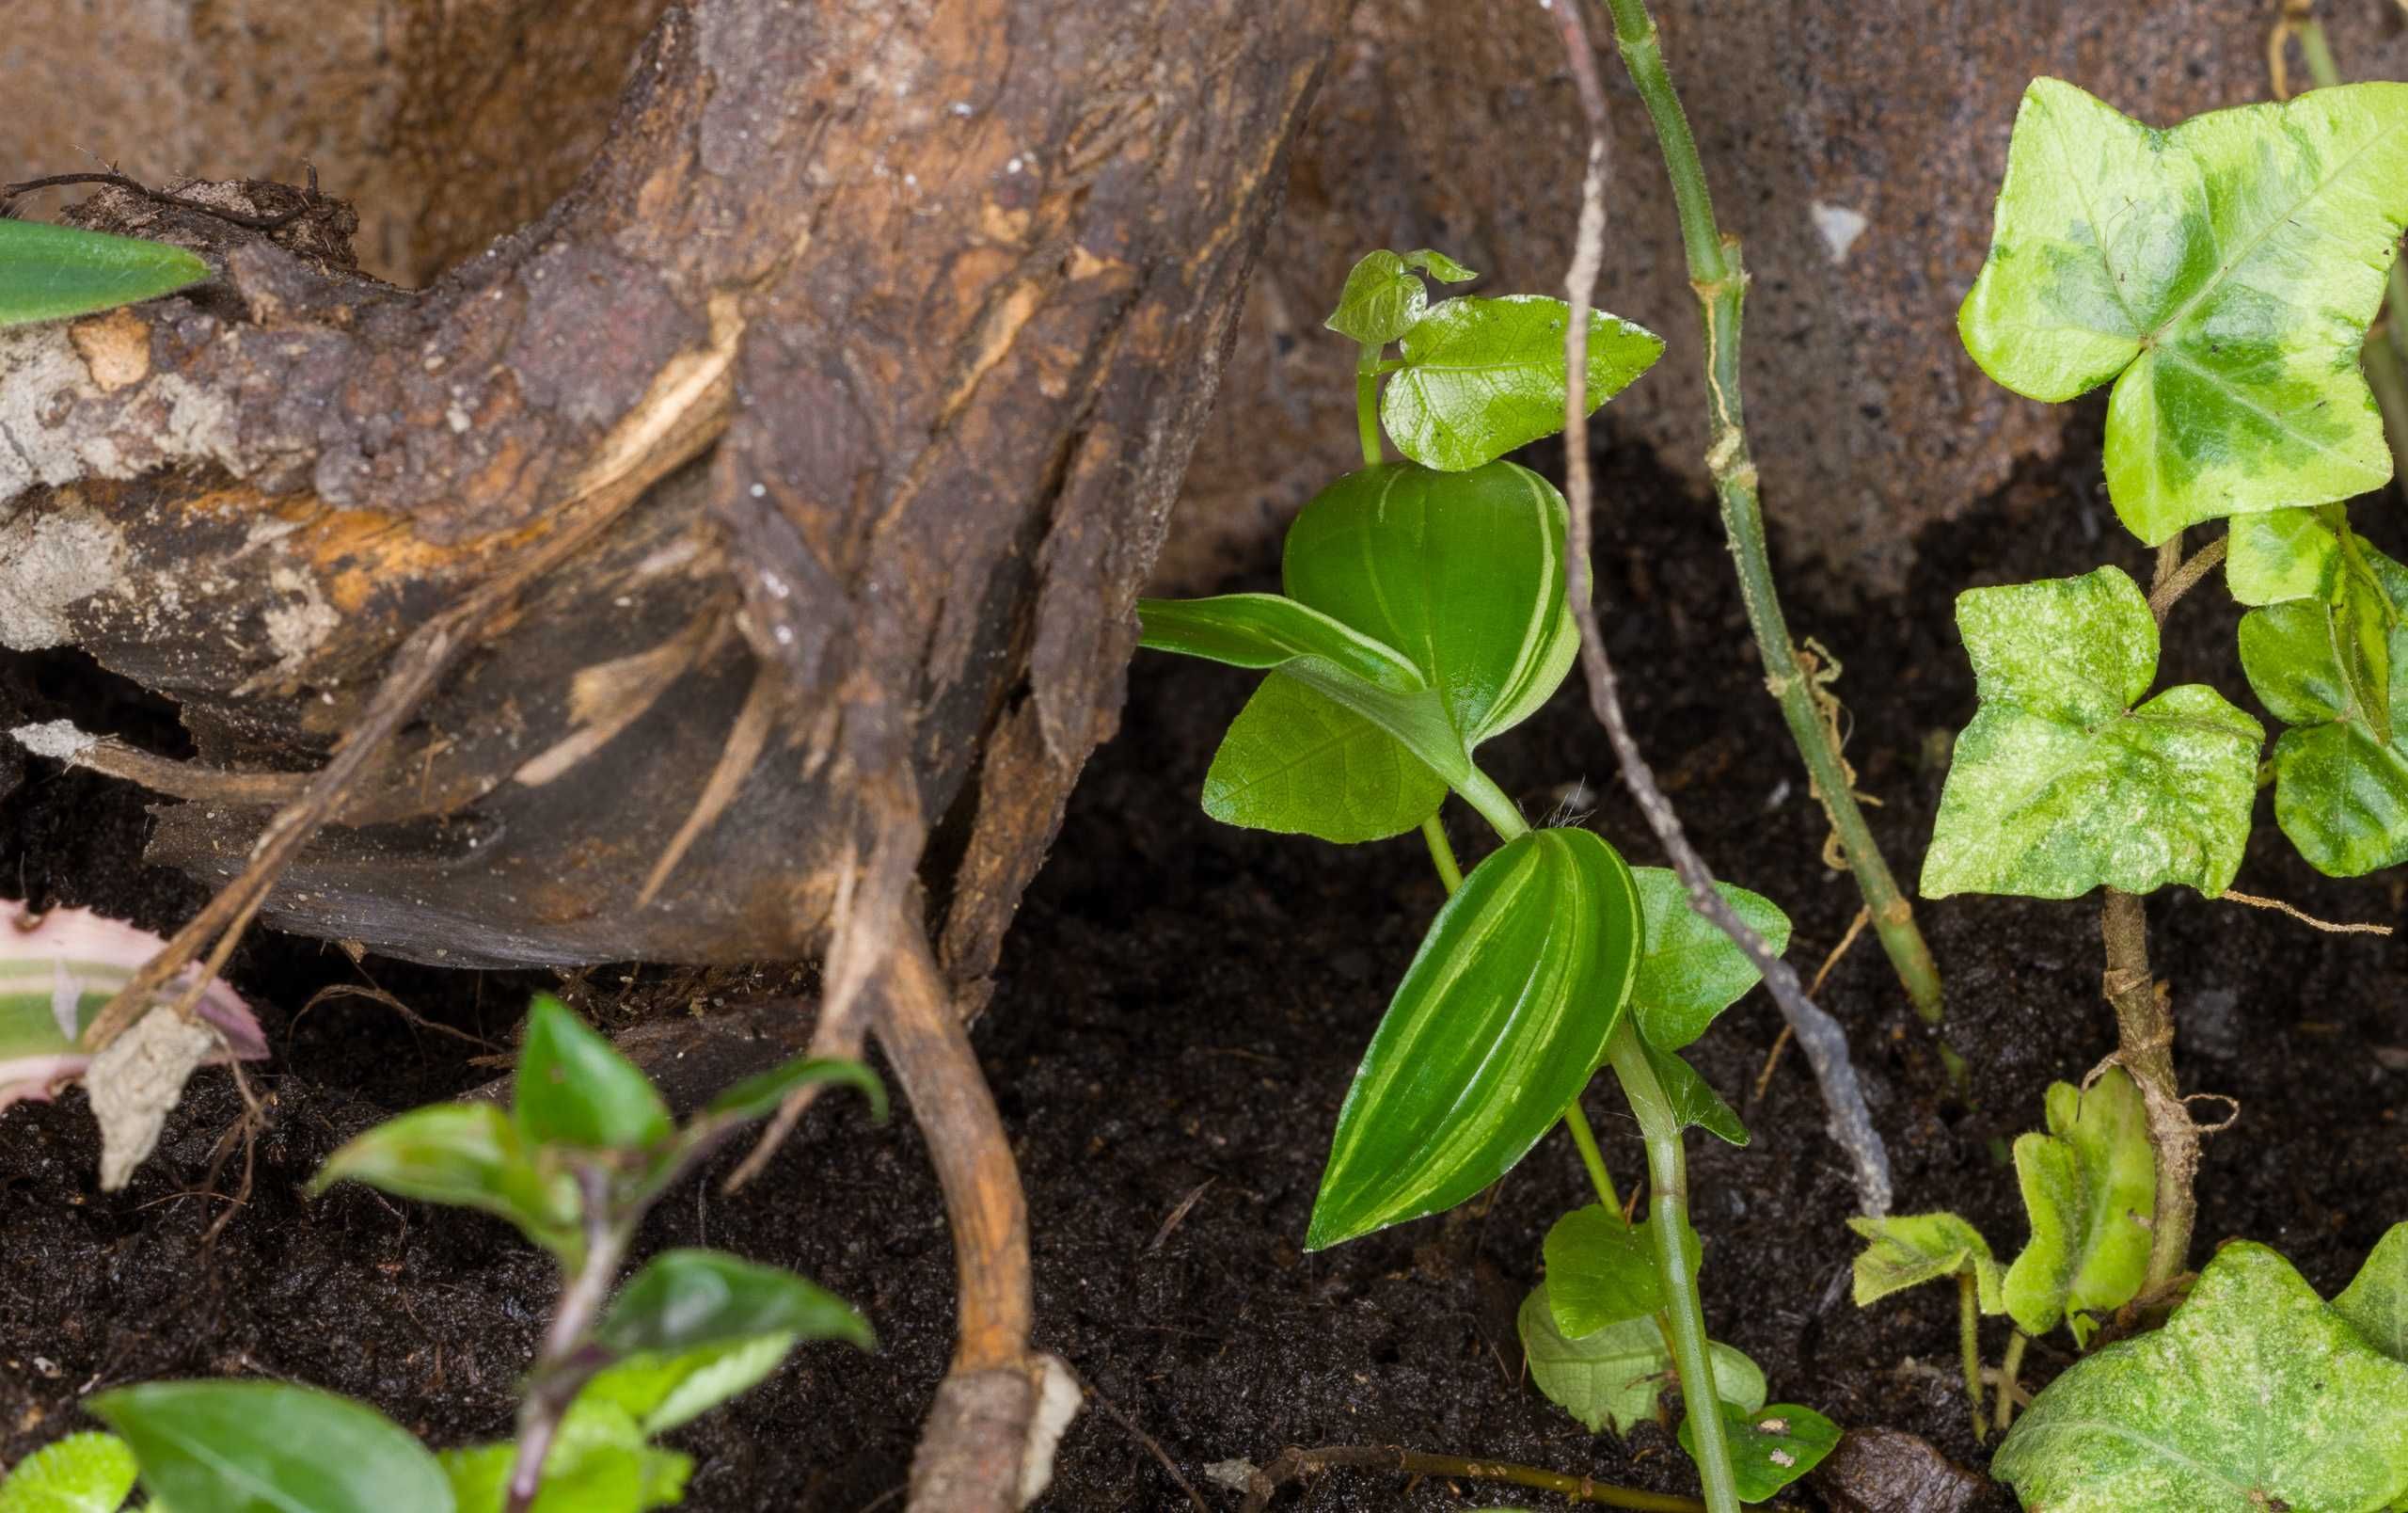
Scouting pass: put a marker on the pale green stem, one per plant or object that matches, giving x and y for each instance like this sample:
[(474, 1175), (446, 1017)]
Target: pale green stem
[(1576, 1121), (2007, 1371), (1968, 1345), (1494, 806), (1367, 402), (1442, 855)]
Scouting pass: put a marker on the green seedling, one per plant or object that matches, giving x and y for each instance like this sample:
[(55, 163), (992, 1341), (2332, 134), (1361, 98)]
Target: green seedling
[(585, 1149), (1424, 612), (49, 272)]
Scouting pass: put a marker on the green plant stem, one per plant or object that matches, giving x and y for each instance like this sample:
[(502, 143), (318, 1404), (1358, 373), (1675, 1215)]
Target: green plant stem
[(2007, 1371), (1968, 1345), (1442, 855), (1720, 281), (1576, 1121), (1295, 1464), (1668, 1202), (1494, 806), (1367, 402), (559, 1369)]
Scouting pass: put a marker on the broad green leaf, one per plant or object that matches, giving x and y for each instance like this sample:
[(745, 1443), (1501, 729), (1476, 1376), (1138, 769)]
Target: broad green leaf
[(2255, 1397), (2090, 1191), (2222, 274), (661, 1392), (599, 1463), (1462, 573), (88, 1472), (1601, 1271), (1909, 1250), (2280, 555), (1695, 1104), (1483, 376), (1615, 1378), (2059, 786), (268, 1447), (758, 1096), (1691, 971), (469, 1155), (1501, 1020), (1770, 1447), (1382, 297), (1298, 763), (2375, 1302), (48, 273), (689, 1300), (1266, 631), (574, 1087), (2340, 792)]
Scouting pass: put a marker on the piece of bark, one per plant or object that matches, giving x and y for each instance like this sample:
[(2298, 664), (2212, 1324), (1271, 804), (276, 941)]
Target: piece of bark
[(1890, 1471)]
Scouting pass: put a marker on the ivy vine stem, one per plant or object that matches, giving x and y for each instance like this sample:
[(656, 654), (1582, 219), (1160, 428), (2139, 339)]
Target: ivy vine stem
[(1717, 273)]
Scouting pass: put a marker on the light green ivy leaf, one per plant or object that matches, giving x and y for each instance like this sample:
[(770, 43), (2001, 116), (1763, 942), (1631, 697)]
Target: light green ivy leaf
[(2255, 1397), (2058, 785), (1691, 971), (2280, 555), (2222, 274), (1908, 1251), (2090, 1191), (2376, 1301), (1483, 376), (88, 1472), (1615, 1378)]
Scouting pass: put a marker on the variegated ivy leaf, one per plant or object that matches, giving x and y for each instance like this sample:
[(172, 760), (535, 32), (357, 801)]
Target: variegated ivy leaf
[(2376, 1301), (1908, 1251), (2060, 784), (2340, 782), (2222, 274), (2090, 1191), (2255, 1397), (1385, 295), (2280, 555), (1483, 376)]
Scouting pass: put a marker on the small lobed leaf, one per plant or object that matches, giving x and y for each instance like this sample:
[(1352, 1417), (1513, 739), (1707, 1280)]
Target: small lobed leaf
[(1770, 1447), (1297, 762), (88, 1473), (1601, 1271), (1908, 1251), (467, 1156), (2090, 1191), (574, 1087), (1483, 376), (2375, 1302), (2058, 786), (2255, 1396), (1616, 1377), (689, 1299), (1382, 297), (1502, 1017), (1691, 971), (50, 272), (2281, 554), (237, 1446), (2222, 274)]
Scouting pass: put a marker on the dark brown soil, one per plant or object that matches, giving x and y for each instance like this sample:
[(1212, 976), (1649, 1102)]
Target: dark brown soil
[(1179, 1013)]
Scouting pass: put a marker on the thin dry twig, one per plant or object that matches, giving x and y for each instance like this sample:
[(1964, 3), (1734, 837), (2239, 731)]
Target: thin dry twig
[(9, 193), (1781, 1041), (1153, 1446), (2254, 901), (1295, 1463), (1818, 1035)]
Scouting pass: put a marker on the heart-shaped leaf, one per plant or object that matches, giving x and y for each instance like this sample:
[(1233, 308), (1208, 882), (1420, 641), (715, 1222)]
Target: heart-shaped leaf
[(2340, 791), (238, 1446), (49, 272), (88, 1472), (1383, 296), (574, 1088), (1615, 1378), (2280, 555), (1770, 1447), (689, 1300), (1691, 971), (2058, 786), (467, 1156), (1269, 630), (2255, 1397), (2222, 274), (1601, 1271), (1483, 376), (2090, 1191), (1908, 1251), (1499, 1022), (2376, 1301), (1298, 763)]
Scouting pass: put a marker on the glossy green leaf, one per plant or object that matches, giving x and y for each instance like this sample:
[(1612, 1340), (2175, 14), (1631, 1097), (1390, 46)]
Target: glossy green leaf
[(599, 1463), (2222, 274), (48, 273), (1298, 763), (1615, 1378), (2376, 1301), (574, 1087), (689, 1300), (2059, 786), (469, 1155), (1462, 573), (1601, 1271), (2281, 555), (1483, 376), (1908, 1251), (1499, 1022), (1383, 296), (1691, 971), (1770, 1447), (2090, 1191), (661, 1392), (1695, 1104), (1268, 630), (268, 1447), (88, 1473), (2340, 792), (2255, 1397), (759, 1096)]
